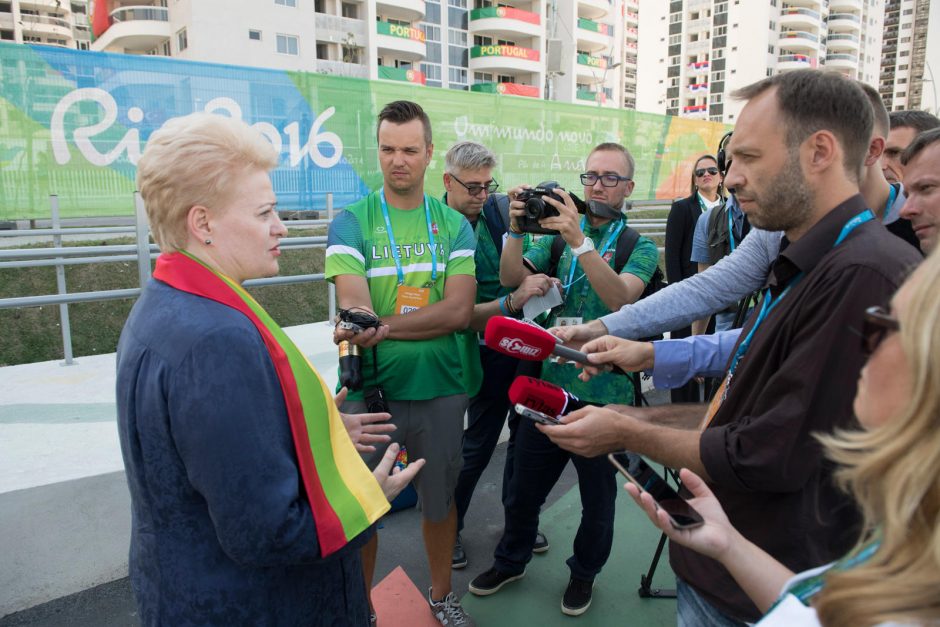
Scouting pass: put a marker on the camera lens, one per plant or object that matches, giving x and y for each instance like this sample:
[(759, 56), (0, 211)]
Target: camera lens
[(534, 208)]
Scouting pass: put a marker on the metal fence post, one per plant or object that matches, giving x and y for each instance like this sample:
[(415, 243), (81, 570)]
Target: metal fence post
[(330, 289), (142, 234), (60, 283)]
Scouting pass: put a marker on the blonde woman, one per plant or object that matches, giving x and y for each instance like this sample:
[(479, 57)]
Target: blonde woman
[(892, 468)]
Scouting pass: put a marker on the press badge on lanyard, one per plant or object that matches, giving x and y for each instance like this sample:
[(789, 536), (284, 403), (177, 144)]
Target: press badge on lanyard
[(407, 298), (767, 304)]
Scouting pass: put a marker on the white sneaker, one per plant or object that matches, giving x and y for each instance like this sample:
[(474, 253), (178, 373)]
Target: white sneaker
[(448, 611)]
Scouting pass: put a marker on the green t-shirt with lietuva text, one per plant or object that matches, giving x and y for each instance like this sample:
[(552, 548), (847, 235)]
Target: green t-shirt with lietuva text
[(358, 244)]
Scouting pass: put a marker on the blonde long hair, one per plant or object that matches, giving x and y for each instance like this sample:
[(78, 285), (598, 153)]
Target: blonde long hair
[(893, 472)]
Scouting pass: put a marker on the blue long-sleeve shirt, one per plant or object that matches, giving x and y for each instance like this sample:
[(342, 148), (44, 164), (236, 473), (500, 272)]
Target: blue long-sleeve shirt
[(677, 361)]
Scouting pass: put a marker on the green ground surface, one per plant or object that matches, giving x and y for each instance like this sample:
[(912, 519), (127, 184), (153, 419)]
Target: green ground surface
[(536, 598)]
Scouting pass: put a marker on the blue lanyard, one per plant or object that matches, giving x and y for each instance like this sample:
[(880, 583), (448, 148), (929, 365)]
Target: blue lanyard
[(769, 303), (391, 239), (730, 229), (611, 237), (892, 196)]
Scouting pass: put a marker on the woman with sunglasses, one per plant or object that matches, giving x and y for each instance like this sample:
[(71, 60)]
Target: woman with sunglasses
[(680, 231), (892, 468)]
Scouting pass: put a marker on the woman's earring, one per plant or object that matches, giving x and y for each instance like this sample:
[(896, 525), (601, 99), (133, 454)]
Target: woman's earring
[(208, 241)]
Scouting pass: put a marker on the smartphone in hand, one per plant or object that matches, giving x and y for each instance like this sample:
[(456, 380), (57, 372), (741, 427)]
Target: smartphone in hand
[(640, 474), (537, 416)]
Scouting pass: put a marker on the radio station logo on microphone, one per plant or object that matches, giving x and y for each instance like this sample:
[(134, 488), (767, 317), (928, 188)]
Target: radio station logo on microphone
[(516, 346)]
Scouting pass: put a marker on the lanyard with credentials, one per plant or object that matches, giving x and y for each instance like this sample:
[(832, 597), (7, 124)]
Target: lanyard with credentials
[(892, 196), (731, 229), (611, 237), (391, 240), (767, 304), (409, 298)]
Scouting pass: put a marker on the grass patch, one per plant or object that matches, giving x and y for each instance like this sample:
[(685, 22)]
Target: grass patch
[(33, 334)]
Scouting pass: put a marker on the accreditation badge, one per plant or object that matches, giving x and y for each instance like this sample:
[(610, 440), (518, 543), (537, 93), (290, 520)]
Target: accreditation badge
[(568, 322), (715, 403), (411, 299)]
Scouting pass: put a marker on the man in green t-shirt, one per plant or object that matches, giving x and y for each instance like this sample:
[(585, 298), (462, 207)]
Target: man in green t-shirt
[(409, 259), (471, 190), (591, 288)]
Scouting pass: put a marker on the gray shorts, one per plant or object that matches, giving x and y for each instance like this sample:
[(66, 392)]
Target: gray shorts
[(432, 430)]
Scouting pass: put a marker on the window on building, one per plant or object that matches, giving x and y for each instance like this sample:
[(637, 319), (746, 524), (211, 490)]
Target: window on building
[(431, 32), (323, 51), (287, 44), (721, 30), (457, 78), (352, 54), (457, 57), (182, 41), (350, 10), (254, 35), (902, 81), (433, 52), (482, 77), (770, 49), (905, 40), (772, 25), (286, 3), (432, 71), (432, 12), (319, 6), (675, 17), (675, 39), (457, 37)]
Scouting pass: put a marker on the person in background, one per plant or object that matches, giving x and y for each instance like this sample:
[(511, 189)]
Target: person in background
[(680, 230), (249, 503), (922, 176), (905, 126), (892, 469)]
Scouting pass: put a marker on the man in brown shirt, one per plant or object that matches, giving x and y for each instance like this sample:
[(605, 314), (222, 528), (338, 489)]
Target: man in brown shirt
[(797, 155)]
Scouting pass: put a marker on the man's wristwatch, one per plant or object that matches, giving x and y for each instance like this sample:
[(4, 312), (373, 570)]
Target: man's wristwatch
[(586, 246)]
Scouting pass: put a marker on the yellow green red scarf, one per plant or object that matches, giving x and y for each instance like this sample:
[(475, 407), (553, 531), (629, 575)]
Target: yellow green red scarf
[(343, 494)]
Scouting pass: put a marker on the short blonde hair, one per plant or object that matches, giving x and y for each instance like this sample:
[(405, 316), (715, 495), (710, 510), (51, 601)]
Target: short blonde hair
[(196, 159)]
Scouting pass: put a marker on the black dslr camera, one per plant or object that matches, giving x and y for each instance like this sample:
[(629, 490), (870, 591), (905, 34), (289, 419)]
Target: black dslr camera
[(536, 208)]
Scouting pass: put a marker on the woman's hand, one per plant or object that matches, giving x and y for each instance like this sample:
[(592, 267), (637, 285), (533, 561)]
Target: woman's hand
[(713, 539), (392, 479), (362, 428)]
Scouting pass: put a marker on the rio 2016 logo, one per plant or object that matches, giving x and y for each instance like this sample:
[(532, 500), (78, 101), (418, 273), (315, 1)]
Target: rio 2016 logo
[(130, 143), (518, 347)]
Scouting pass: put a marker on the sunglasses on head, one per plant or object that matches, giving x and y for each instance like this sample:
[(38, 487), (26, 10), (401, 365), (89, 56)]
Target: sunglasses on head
[(701, 171), (876, 325)]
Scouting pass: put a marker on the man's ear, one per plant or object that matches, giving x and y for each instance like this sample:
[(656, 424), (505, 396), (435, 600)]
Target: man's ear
[(448, 181), (823, 151), (430, 152), (875, 150)]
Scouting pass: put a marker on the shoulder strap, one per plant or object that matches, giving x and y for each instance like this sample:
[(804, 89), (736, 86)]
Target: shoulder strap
[(496, 214), (558, 247), (625, 245)]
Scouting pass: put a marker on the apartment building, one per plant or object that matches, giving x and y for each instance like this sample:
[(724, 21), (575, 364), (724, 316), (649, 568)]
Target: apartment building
[(702, 50), (580, 51), (903, 53), (47, 22)]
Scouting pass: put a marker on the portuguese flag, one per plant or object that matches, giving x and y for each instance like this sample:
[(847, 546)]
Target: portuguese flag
[(343, 494), (99, 17)]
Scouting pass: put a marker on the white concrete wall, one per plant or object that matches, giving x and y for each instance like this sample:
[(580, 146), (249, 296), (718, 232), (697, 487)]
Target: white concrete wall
[(652, 38)]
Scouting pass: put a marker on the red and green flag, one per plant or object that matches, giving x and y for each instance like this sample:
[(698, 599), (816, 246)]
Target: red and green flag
[(344, 496)]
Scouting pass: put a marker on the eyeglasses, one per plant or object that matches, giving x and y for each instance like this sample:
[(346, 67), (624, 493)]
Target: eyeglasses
[(474, 189), (701, 171), (876, 325), (607, 180)]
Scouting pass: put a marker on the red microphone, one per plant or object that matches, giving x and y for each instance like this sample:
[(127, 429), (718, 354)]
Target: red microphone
[(543, 397), (529, 342), (526, 341)]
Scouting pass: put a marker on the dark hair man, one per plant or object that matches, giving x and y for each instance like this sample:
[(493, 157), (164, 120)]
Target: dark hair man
[(586, 259), (905, 125), (797, 157), (921, 161), (408, 258)]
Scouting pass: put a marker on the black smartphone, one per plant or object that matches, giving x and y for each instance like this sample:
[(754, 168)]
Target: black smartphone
[(537, 416), (632, 466)]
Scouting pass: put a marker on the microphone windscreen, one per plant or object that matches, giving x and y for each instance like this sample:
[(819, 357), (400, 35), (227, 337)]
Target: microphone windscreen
[(538, 395), (518, 339)]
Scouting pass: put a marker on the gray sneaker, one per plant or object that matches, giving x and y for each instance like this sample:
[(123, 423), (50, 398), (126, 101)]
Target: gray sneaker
[(448, 611)]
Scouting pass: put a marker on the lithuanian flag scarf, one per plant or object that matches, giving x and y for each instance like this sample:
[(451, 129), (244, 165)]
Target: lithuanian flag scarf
[(343, 494)]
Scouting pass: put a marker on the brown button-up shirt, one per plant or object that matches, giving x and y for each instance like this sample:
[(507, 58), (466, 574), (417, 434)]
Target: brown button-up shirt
[(798, 377)]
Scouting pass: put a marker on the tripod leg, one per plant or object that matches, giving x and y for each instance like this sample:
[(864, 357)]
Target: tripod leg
[(646, 590)]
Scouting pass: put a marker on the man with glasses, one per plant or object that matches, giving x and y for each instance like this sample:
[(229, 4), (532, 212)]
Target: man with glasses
[(583, 255), (471, 190)]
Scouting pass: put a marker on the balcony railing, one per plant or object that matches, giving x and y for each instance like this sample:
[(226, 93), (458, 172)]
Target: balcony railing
[(508, 13), (597, 27), (843, 37), (844, 16), (842, 57), (586, 94), (796, 58), (799, 34), (800, 11), (150, 14), (29, 20)]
